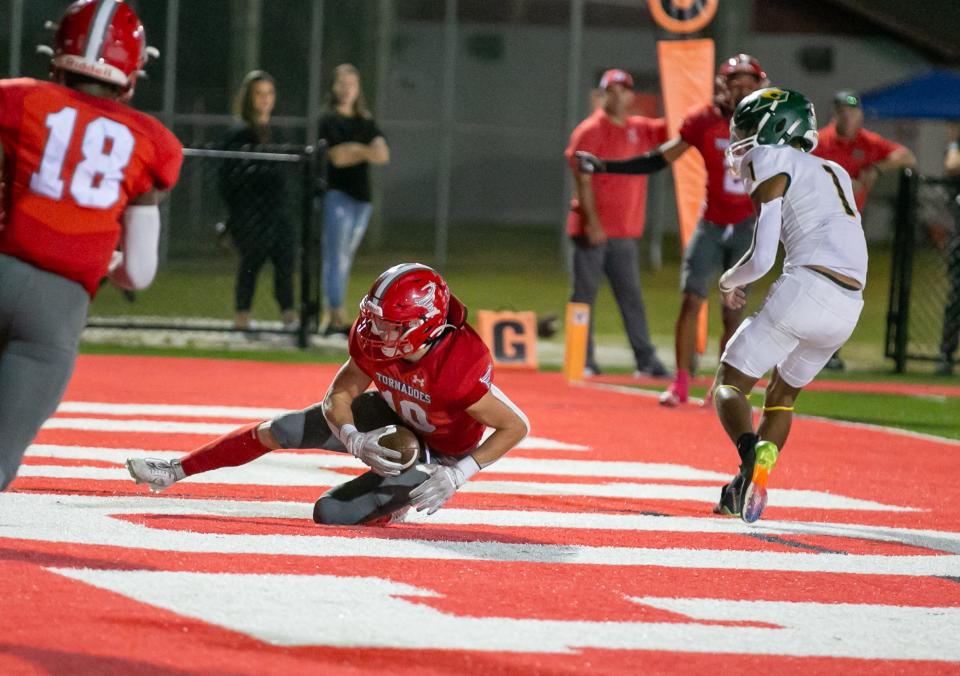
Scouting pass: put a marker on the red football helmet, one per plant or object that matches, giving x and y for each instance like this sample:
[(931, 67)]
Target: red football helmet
[(405, 309), (739, 63), (102, 39)]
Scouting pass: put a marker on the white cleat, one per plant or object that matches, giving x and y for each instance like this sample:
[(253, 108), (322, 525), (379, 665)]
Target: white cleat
[(157, 474)]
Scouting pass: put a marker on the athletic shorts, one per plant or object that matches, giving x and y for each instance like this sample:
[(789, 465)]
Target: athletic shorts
[(713, 249), (804, 320)]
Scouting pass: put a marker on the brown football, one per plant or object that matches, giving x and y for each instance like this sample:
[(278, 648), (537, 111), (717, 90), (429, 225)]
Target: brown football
[(406, 442)]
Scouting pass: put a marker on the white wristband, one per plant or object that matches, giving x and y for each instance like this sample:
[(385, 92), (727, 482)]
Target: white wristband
[(469, 466), (346, 432)]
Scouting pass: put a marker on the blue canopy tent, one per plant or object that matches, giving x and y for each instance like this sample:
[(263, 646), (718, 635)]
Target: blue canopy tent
[(931, 95)]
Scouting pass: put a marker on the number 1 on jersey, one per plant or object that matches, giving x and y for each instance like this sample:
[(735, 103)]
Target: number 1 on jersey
[(106, 148), (843, 198)]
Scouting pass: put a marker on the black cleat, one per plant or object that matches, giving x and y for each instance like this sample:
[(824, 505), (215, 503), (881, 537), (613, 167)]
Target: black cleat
[(731, 498)]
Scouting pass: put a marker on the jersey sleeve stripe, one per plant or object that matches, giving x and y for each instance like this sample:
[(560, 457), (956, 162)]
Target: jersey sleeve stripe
[(498, 393)]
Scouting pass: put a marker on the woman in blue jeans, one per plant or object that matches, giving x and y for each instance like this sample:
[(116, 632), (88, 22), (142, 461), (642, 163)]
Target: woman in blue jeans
[(354, 143)]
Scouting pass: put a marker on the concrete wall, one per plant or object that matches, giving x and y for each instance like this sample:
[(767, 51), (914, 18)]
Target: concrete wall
[(510, 112)]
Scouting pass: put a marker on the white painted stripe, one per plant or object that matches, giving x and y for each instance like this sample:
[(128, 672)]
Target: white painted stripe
[(331, 460), (271, 470), (239, 412), (946, 541), (101, 19), (216, 429), (369, 610), (150, 426), (89, 520)]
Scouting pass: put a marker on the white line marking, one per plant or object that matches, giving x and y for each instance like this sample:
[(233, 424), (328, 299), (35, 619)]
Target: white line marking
[(245, 413), (216, 429), (368, 611), (331, 460), (90, 520), (272, 470)]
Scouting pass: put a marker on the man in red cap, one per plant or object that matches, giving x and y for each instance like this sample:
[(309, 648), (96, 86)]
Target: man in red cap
[(862, 153), (607, 214), (724, 233)]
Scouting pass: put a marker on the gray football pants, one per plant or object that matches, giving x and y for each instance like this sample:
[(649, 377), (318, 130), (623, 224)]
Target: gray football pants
[(369, 496), (41, 317), (617, 259)]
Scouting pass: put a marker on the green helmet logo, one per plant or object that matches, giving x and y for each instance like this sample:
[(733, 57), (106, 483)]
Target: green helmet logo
[(774, 117)]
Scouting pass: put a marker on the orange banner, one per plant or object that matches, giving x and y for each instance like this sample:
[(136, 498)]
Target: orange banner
[(686, 76)]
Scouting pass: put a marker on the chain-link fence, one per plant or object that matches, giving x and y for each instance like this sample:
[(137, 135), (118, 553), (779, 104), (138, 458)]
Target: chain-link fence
[(237, 219), (923, 322)]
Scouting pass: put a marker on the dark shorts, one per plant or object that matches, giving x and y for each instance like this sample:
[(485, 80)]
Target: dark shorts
[(713, 249)]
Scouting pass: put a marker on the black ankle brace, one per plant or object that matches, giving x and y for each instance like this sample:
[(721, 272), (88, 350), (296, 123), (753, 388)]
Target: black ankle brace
[(745, 445)]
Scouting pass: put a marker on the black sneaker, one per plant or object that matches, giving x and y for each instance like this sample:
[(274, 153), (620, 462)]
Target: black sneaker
[(730, 497)]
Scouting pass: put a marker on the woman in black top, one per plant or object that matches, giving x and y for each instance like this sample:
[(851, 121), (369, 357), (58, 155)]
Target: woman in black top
[(354, 143), (255, 192)]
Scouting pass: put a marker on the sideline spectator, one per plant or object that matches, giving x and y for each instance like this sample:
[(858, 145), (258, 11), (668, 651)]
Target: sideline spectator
[(354, 143), (256, 195), (607, 215), (864, 154), (724, 232), (951, 313)]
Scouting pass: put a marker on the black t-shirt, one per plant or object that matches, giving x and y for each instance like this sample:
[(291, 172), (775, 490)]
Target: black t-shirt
[(253, 189), (336, 129)]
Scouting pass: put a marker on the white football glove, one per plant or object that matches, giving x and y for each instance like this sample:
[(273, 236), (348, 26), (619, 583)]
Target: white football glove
[(440, 487), (366, 446)]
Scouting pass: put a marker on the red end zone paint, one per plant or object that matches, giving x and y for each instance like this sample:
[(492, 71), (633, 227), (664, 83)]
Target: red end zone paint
[(52, 622)]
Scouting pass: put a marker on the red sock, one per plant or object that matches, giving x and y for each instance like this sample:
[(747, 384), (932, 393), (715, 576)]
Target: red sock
[(231, 450), (682, 383)]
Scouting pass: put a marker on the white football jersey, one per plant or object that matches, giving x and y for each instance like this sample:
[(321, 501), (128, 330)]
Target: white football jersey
[(821, 223)]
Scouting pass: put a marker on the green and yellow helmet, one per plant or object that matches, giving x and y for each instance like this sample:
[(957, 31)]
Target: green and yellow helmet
[(774, 117)]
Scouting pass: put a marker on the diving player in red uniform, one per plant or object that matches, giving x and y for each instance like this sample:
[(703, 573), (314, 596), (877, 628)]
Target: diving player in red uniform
[(82, 172), (432, 373)]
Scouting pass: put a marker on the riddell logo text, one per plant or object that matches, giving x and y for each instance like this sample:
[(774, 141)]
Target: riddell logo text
[(402, 387)]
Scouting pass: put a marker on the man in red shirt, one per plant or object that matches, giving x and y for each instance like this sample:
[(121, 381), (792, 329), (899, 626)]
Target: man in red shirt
[(724, 234), (82, 172), (432, 373), (863, 154), (607, 215)]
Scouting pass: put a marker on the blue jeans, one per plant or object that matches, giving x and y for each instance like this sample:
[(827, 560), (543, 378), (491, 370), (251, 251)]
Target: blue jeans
[(344, 223)]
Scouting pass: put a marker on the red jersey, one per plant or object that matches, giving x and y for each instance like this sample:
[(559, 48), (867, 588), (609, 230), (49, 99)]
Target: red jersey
[(707, 130), (621, 200), (853, 154), (72, 161), (432, 394)]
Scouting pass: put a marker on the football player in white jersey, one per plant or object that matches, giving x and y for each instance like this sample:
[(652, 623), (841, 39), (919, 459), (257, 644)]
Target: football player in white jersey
[(808, 204)]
